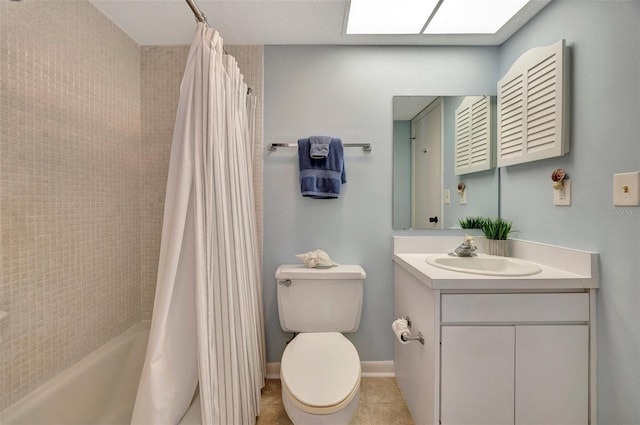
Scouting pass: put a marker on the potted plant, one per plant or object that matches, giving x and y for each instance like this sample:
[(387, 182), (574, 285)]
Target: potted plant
[(496, 231), (471, 222)]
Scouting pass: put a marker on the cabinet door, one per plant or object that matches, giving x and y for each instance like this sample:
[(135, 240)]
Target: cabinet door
[(477, 382), (552, 374), (474, 132), (533, 106)]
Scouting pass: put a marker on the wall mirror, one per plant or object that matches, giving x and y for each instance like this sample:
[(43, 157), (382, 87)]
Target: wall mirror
[(425, 184)]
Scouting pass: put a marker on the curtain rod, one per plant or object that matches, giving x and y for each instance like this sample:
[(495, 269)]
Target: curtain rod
[(202, 18), (196, 11)]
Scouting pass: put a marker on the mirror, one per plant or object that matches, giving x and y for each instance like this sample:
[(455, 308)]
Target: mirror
[(425, 187)]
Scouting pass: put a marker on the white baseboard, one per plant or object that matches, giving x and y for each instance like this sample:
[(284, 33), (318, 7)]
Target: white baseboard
[(381, 369), (273, 370)]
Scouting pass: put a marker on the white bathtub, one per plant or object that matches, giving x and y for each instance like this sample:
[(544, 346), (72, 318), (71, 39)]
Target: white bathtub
[(98, 390)]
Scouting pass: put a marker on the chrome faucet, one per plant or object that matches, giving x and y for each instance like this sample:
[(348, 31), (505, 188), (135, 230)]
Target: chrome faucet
[(466, 249)]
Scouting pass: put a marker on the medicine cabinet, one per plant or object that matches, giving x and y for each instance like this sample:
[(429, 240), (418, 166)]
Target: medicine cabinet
[(533, 106)]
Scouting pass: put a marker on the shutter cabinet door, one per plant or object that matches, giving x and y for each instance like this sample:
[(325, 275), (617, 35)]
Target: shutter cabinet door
[(473, 129), (533, 107)]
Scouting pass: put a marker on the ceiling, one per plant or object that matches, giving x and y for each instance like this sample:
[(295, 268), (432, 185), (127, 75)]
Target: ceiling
[(405, 108), (264, 22)]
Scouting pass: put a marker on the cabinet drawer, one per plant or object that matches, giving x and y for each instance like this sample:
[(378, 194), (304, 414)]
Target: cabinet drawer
[(560, 307)]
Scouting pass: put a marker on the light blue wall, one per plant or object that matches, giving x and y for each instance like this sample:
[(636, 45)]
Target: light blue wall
[(401, 174), (605, 124), (347, 91)]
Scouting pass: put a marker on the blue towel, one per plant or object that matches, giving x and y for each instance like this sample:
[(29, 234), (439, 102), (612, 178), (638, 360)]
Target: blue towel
[(321, 178), (319, 146)]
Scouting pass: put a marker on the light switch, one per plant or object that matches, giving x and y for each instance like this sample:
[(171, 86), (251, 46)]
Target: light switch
[(626, 189), (447, 196)]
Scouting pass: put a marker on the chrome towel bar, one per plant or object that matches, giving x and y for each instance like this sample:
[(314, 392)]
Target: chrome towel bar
[(272, 147)]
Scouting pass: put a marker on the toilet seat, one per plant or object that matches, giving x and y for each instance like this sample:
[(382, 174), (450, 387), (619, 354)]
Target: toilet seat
[(320, 372)]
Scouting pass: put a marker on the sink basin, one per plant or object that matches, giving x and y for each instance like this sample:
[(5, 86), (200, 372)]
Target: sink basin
[(485, 264)]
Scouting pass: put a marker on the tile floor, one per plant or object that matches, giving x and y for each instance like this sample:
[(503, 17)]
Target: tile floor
[(381, 403)]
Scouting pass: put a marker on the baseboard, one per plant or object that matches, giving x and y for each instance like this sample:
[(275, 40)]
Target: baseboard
[(381, 369), (273, 370)]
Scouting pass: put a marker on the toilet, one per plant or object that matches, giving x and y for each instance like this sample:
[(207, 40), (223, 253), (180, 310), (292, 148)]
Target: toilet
[(320, 367)]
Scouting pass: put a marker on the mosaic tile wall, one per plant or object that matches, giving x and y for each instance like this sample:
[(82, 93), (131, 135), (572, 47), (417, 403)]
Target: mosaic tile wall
[(161, 70), (69, 188), (86, 122)]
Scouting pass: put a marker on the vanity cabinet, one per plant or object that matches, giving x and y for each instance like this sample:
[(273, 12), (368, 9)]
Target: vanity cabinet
[(497, 356), (530, 374), (477, 367)]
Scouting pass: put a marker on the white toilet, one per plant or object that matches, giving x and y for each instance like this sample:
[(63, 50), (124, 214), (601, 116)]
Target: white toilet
[(320, 367)]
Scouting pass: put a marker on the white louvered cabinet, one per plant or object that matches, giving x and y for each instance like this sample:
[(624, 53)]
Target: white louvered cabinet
[(473, 135), (533, 107)]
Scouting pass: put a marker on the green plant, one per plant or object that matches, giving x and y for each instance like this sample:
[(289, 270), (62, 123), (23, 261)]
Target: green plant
[(496, 228), (472, 222)]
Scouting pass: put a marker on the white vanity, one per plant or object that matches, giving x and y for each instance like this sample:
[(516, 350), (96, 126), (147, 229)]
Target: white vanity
[(497, 349)]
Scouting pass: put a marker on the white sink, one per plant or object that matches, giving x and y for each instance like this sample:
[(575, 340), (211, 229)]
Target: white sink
[(485, 264)]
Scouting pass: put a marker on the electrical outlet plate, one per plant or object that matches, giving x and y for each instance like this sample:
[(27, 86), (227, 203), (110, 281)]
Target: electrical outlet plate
[(563, 196), (447, 196), (626, 189), (462, 197)]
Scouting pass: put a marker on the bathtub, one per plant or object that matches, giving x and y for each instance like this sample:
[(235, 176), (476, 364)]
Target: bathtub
[(98, 390)]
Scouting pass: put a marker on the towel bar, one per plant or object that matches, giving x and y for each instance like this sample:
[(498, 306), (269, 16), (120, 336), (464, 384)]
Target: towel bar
[(272, 147)]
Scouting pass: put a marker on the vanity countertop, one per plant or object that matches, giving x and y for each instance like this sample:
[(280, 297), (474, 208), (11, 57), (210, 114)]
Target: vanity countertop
[(562, 268), (437, 278)]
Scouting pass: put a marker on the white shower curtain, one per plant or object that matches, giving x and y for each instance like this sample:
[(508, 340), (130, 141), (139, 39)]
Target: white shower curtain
[(207, 325)]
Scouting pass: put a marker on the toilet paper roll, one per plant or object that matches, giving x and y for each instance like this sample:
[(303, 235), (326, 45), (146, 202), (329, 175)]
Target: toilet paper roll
[(400, 327)]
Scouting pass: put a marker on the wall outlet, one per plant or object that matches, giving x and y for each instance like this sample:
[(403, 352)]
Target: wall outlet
[(447, 196), (563, 196), (626, 189), (462, 197)]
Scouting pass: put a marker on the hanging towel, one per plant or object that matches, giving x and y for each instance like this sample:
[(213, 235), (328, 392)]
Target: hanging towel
[(321, 178), (319, 146)]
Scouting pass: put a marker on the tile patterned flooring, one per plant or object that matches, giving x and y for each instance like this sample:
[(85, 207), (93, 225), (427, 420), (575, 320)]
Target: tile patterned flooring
[(381, 403)]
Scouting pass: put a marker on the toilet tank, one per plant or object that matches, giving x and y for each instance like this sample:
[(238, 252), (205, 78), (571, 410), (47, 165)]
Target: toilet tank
[(319, 300)]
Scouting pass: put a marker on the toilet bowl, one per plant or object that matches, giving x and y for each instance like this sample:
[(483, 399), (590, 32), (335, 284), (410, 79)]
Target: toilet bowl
[(320, 376), (320, 367)]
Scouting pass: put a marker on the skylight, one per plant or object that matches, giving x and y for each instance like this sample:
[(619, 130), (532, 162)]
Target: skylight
[(389, 16), (473, 16), (410, 16)]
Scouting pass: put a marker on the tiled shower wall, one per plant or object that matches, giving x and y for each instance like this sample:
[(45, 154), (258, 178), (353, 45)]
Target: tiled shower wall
[(162, 68), (86, 122), (70, 187), (161, 71)]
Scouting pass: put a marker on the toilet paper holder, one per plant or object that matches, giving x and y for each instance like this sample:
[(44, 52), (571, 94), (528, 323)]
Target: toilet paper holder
[(409, 337)]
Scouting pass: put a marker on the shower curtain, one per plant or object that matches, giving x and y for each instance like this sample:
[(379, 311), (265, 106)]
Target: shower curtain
[(207, 328)]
